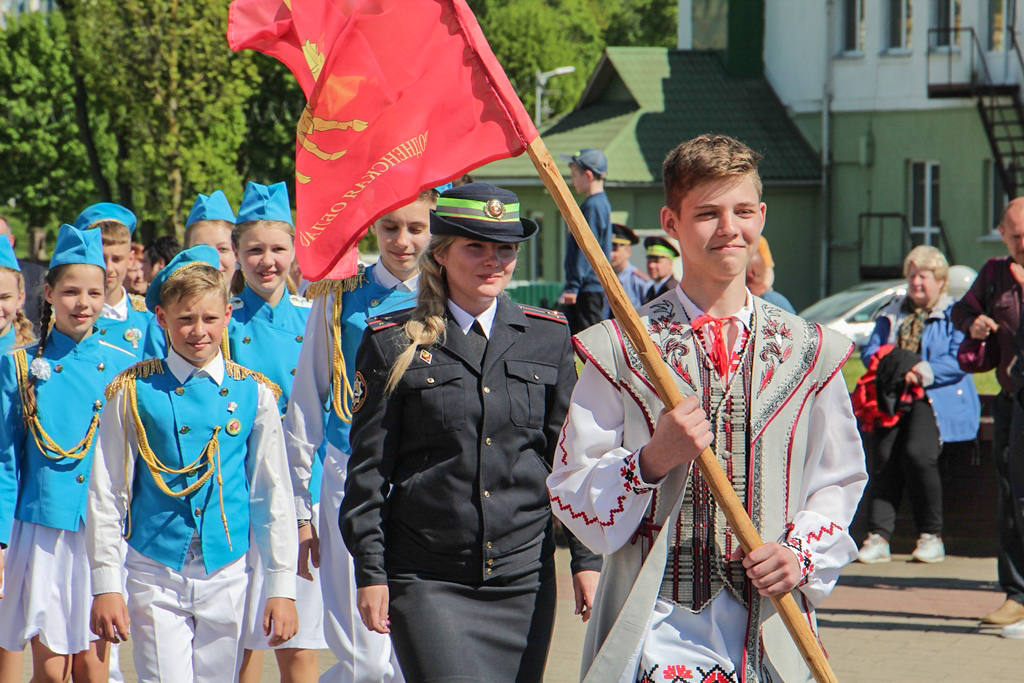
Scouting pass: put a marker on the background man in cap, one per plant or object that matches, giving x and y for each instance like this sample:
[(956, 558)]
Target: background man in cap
[(583, 298), (633, 281), (661, 255)]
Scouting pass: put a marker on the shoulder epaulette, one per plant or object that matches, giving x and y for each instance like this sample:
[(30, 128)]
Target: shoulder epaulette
[(117, 348), (239, 372), (545, 313), (138, 303), (337, 287), (143, 369), (300, 301), (383, 322)]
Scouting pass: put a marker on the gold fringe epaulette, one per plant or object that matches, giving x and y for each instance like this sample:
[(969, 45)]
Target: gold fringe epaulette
[(138, 303), (239, 372), (144, 369), (337, 287)]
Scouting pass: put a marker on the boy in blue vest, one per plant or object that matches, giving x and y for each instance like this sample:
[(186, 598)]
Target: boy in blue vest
[(124, 319), (190, 462)]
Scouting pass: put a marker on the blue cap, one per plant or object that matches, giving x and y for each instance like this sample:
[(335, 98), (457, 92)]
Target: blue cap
[(263, 203), (76, 246), (214, 207), (7, 257), (201, 255), (105, 211), (589, 159)]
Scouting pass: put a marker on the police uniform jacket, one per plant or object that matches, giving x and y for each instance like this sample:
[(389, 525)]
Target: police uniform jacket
[(36, 485), (451, 467), (655, 290)]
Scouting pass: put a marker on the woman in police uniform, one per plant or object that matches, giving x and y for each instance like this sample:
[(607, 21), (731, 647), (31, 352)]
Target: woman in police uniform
[(457, 411)]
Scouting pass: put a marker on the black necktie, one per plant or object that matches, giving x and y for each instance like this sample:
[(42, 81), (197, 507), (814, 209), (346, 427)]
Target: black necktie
[(477, 340)]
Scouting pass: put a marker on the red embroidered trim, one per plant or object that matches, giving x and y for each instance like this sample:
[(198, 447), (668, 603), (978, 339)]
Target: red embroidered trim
[(824, 531), (630, 473), (576, 515)]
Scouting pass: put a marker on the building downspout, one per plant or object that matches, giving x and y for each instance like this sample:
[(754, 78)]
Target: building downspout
[(826, 156)]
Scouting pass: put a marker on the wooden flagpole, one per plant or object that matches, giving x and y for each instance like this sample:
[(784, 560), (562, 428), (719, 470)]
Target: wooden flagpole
[(670, 395)]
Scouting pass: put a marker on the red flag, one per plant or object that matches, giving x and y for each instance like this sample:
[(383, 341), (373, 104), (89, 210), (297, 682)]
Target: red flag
[(403, 95)]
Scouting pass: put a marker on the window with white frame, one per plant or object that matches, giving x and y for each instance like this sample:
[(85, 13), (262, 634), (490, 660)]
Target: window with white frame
[(853, 27), (1001, 17), (899, 23), (946, 22), (924, 202)]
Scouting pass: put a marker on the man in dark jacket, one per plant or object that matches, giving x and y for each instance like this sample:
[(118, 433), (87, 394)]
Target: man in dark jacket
[(991, 312)]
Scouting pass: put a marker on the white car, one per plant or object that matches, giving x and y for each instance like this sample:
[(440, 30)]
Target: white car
[(852, 311)]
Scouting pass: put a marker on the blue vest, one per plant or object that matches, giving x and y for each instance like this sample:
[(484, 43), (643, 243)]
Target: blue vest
[(268, 339), (129, 334), (179, 420), (368, 301), (53, 493), (9, 339)]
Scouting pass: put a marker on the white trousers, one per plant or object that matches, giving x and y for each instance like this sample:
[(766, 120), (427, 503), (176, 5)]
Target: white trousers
[(186, 625), (363, 656)]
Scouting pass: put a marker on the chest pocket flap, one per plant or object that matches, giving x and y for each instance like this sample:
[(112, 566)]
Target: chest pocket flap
[(527, 391), (437, 397)]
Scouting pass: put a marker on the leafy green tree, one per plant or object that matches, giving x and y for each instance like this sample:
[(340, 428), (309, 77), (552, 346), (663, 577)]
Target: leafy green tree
[(43, 169), (643, 23)]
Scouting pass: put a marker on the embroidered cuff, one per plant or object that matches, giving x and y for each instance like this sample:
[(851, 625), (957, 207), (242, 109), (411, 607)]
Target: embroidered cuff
[(803, 555), (631, 479)]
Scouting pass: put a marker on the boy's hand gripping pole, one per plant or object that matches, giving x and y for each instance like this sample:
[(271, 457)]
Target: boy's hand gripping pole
[(670, 395)]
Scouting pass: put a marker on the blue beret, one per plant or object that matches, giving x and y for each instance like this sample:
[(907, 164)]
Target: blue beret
[(7, 257), (105, 211), (200, 255), (214, 207), (263, 203), (78, 246)]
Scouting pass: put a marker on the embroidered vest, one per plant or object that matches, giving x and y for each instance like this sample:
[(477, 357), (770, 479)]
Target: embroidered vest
[(789, 361), (179, 421)]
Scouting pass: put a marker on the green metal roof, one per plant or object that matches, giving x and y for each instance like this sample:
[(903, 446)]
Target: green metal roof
[(641, 102)]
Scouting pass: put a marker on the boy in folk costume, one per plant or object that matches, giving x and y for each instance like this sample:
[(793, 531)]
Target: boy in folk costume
[(764, 391), (190, 461)]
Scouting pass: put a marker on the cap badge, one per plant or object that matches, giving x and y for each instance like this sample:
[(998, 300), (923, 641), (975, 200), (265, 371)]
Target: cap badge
[(495, 208)]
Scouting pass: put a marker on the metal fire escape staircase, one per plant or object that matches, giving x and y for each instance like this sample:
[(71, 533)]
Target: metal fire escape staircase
[(958, 67)]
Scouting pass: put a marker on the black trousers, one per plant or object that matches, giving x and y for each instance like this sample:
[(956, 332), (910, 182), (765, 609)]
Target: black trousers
[(586, 312), (1008, 457), (907, 457)]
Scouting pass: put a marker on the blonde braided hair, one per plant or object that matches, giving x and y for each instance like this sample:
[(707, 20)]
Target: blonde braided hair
[(427, 325)]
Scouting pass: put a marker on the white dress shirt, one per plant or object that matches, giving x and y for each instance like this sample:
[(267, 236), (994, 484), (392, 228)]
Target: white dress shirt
[(383, 277), (465, 320), (118, 311), (271, 513)]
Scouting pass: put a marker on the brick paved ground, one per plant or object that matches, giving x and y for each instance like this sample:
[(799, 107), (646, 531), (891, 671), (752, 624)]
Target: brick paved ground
[(901, 621)]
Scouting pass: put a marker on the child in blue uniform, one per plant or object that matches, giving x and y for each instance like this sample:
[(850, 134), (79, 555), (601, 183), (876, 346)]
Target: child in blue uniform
[(15, 328), (124, 321), (51, 396), (190, 462), (324, 377), (266, 333)]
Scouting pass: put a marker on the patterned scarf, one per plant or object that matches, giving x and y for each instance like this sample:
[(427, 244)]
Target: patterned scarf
[(909, 336)]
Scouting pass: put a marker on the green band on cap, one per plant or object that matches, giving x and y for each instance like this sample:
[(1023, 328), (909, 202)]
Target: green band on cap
[(492, 211), (659, 250)]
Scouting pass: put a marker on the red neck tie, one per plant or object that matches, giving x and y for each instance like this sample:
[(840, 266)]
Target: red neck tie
[(719, 349)]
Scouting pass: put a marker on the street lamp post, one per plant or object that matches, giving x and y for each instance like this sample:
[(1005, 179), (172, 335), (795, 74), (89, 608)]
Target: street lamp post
[(542, 79)]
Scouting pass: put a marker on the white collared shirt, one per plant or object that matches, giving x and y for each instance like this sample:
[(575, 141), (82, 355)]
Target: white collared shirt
[(383, 277), (738, 322), (118, 311), (465, 321), (182, 369), (272, 511)]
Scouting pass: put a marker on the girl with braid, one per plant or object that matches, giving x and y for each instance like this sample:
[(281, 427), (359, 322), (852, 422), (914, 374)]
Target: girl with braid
[(457, 408), (15, 328), (51, 396)]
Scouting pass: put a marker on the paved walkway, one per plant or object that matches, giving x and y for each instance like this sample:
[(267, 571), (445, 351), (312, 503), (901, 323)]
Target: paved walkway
[(900, 621)]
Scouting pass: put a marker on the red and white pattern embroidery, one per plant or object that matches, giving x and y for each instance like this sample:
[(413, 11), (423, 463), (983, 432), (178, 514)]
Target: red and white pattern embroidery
[(631, 476), (778, 345), (803, 555), (680, 673)]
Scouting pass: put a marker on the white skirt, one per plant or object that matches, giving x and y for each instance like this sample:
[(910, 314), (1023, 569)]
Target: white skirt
[(47, 589), (309, 603)]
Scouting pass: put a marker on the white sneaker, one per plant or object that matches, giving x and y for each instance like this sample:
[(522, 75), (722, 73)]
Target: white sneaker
[(1014, 631), (874, 550), (930, 549)]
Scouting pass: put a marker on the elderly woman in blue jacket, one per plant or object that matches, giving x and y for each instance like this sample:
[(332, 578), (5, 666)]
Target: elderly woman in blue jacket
[(907, 454)]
